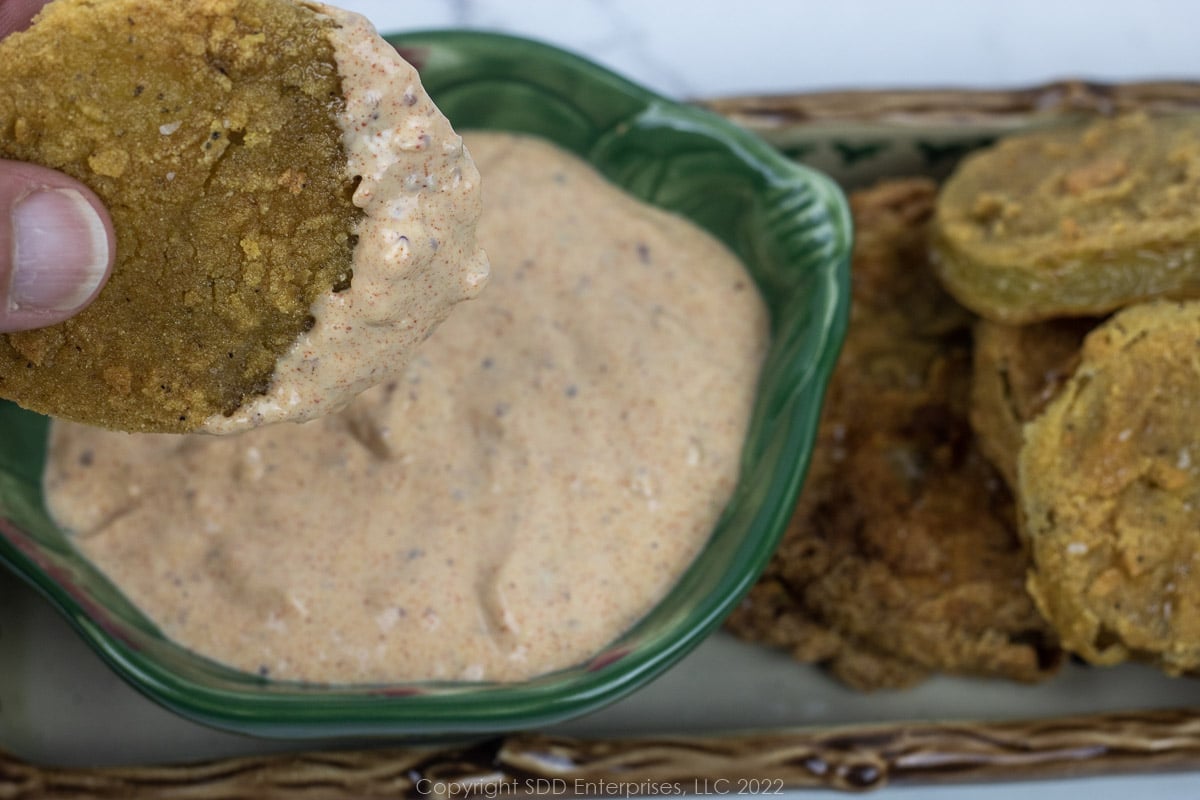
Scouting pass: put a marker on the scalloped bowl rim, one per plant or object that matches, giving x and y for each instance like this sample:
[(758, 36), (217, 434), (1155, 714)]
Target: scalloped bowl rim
[(262, 707)]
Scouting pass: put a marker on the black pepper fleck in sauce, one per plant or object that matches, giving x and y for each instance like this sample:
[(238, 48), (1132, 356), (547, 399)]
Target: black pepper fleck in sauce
[(527, 498)]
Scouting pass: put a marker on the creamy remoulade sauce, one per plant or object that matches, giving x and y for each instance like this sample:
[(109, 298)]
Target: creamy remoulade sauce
[(549, 464), (416, 254)]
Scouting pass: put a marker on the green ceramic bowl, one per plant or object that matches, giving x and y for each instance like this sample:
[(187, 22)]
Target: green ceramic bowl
[(789, 225)]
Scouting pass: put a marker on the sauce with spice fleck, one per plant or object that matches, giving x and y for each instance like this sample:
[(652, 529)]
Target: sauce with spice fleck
[(415, 256), (551, 461)]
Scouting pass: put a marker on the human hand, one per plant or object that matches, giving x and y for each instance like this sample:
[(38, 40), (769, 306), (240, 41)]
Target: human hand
[(56, 239)]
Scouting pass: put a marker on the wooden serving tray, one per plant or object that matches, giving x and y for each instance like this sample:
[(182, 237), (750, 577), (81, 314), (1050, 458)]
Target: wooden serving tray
[(862, 136), (765, 723)]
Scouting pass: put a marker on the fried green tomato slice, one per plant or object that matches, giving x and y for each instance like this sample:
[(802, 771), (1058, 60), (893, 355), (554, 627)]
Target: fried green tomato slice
[(1074, 222), (210, 132), (903, 557), (1109, 481), (1016, 371), (293, 214)]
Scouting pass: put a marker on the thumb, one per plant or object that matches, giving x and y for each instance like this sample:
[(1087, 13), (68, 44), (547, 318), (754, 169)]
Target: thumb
[(15, 15), (56, 246)]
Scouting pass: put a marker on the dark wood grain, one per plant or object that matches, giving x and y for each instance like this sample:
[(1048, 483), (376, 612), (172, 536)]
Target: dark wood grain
[(528, 764), (925, 107)]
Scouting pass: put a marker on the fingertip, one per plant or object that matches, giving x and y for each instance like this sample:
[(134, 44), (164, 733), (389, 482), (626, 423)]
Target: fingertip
[(56, 246), (15, 15)]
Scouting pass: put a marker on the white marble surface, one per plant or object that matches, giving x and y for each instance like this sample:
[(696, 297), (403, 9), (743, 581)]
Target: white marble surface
[(694, 48), (704, 48)]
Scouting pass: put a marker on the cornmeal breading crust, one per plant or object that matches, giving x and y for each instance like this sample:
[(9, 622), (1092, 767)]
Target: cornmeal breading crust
[(903, 557), (1109, 481), (209, 129)]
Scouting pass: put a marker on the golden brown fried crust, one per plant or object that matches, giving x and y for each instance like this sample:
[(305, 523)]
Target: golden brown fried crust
[(209, 128), (902, 558), (1109, 483), (1074, 222), (1017, 371)]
